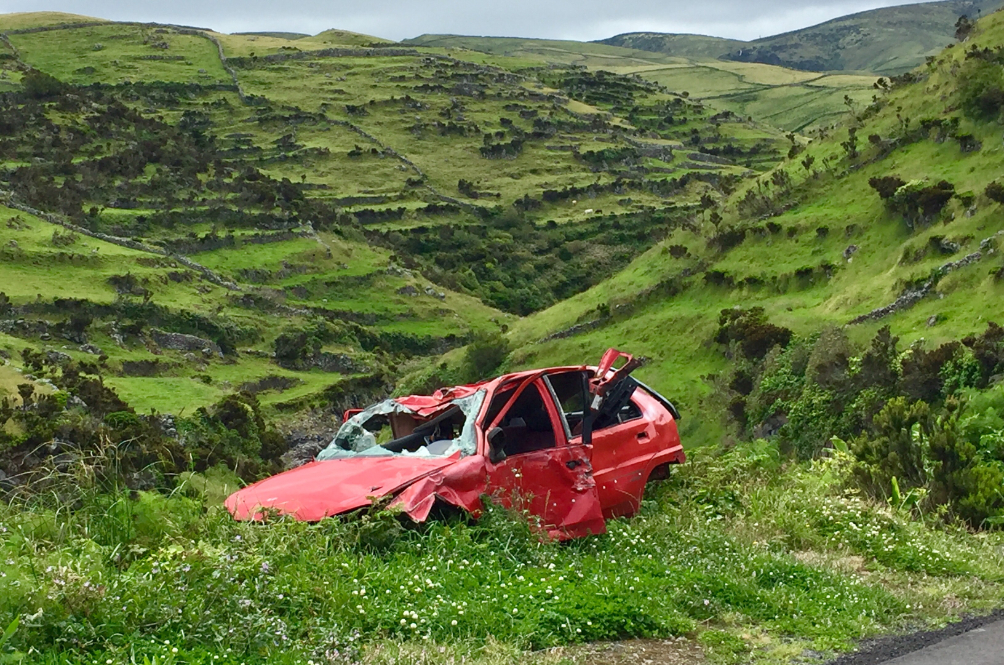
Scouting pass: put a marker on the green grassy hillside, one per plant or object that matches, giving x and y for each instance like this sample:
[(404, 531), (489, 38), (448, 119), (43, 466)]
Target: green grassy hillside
[(788, 99), (885, 41), (815, 245), (321, 210)]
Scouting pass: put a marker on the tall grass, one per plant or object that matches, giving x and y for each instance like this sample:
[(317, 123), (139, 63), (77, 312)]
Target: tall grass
[(746, 554)]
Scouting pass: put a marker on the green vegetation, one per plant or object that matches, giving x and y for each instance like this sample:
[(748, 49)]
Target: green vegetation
[(736, 549), (771, 95), (201, 269)]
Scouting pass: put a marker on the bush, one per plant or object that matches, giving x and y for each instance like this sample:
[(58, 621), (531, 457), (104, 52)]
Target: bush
[(981, 89), (920, 203), (886, 186), (486, 352), (968, 468), (39, 85), (896, 450), (752, 332), (995, 192)]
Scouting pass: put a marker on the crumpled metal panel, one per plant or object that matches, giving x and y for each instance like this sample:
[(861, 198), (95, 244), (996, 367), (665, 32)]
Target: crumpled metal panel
[(460, 485), (322, 489), (556, 485)]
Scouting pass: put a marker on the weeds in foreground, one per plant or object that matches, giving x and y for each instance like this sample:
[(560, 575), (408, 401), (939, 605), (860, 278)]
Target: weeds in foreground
[(733, 545)]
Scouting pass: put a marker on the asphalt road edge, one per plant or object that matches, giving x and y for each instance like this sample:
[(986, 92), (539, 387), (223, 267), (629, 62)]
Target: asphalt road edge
[(880, 650)]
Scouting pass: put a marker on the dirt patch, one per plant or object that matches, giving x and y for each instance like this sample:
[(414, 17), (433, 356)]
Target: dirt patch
[(883, 649), (637, 652)]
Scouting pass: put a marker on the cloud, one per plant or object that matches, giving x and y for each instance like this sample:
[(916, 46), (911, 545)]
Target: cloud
[(399, 19)]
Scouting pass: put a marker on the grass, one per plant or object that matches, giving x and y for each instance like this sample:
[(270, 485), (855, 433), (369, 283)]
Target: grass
[(788, 99), (23, 20), (753, 560), (116, 53)]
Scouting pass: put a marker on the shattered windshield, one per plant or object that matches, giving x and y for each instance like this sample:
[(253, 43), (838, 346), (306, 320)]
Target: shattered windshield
[(389, 428)]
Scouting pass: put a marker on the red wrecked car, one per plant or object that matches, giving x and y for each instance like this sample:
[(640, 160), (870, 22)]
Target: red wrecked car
[(571, 445)]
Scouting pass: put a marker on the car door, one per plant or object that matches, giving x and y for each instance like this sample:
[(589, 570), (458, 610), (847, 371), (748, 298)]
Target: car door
[(542, 473), (622, 453)]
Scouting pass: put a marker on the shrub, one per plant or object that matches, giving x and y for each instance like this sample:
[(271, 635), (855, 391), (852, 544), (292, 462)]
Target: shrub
[(886, 186), (966, 473), (922, 371), (895, 450), (39, 85), (995, 192), (752, 332), (988, 351), (920, 203), (484, 355), (981, 89)]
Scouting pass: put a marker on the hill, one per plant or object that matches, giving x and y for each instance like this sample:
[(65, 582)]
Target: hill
[(814, 244), (317, 212), (885, 41), (788, 99)]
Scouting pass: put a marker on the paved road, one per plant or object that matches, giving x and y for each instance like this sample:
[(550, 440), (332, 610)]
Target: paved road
[(980, 646)]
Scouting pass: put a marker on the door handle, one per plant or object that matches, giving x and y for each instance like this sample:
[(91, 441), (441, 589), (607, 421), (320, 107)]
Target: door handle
[(642, 435), (573, 463)]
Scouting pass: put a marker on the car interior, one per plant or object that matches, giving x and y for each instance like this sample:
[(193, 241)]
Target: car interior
[(569, 388), (527, 425), (436, 434)]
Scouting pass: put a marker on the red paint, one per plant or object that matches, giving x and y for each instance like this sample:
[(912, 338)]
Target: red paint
[(322, 489), (568, 489)]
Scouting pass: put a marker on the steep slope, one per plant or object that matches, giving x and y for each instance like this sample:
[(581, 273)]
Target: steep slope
[(885, 41), (815, 245)]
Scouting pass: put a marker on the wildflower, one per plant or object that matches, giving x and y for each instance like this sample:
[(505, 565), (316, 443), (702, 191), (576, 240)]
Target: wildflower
[(453, 623)]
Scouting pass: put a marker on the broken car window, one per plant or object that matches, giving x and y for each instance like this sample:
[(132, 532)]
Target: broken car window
[(570, 390), (448, 431), (527, 424)]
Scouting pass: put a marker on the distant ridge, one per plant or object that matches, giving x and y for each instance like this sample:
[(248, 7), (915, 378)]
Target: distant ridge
[(276, 35), (886, 41)]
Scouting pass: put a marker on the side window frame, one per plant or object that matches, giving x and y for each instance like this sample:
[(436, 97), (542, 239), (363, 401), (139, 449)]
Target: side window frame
[(558, 409), (552, 409)]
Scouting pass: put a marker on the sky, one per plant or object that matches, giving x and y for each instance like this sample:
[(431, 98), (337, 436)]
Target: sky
[(582, 20)]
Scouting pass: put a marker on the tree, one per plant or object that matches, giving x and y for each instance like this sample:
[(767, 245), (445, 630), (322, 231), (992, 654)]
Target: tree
[(39, 85), (808, 162), (5, 306), (963, 28)]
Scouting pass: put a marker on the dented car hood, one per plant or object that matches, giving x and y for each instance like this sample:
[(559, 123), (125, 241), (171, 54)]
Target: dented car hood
[(322, 489)]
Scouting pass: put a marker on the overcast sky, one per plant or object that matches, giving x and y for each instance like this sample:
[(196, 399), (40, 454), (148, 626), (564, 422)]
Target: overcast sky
[(399, 19)]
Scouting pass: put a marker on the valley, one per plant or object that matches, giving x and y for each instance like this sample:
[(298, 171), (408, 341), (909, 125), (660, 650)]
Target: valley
[(213, 245)]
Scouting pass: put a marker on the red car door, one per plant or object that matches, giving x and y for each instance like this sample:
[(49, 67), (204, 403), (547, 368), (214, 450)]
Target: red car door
[(541, 473), (622, 454)]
